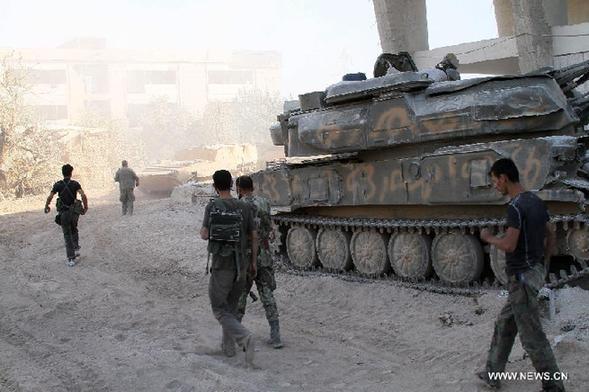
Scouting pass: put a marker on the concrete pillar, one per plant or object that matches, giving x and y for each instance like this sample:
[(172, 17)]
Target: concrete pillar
[(532, 34), (503, 17), (402, 25), (555, 12)]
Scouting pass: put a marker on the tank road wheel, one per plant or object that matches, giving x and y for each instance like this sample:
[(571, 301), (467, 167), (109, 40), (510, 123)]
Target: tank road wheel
[(457, 258), (497, 257), (333, 249), (300, 247), (410, 255), (578, 243), (369, 252)]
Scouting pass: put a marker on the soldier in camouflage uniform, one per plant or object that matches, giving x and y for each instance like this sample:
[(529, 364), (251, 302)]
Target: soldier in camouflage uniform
[(524, 244), (265, 281), (127, 180)]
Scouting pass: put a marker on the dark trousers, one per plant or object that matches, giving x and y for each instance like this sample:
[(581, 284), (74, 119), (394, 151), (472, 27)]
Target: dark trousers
[(69, 225), (127, 198), (224, 293), (521, 315)]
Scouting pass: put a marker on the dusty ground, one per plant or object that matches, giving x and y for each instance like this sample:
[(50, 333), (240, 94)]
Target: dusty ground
[(134, 316)]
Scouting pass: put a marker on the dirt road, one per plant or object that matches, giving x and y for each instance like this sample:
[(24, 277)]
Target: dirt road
[(134, 315)]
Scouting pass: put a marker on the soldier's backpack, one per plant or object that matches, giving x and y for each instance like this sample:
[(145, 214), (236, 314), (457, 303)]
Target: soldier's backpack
[(225, 231), (224, 223), (60, 206)]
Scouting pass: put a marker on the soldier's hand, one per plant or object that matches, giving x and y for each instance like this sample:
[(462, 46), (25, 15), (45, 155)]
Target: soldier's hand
[(84, 210), (252, 271), (47, 209), (485, 235)]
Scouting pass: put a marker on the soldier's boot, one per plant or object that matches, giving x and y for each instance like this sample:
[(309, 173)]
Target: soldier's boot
[(275, 334), (491, 383), (250, 350), (228, 349), (555, 386), (228, 346)]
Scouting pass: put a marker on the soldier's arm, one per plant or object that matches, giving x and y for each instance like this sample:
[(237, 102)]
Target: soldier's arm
[(49, 198), (550, 244), (135, 178), (507, 243), (117, 176), (204, 231), (254, 238), (84, 199)]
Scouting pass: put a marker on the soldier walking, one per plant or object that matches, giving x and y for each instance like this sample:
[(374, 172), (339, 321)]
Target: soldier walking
[(265, 279), (69, 209), (127, 180), (524, 246), (224, 217)]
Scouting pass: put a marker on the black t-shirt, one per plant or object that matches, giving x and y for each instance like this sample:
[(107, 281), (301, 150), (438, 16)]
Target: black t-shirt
[(221, 262), (528, 213), (67, 197)]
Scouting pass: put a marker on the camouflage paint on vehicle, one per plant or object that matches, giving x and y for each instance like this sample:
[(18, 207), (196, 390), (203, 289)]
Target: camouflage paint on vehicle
[(406, 151)]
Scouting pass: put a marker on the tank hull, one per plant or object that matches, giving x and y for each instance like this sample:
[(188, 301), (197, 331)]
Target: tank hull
[(391, 176)]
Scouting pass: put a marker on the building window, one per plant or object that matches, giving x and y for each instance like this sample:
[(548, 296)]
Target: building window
[(160, 77), (51, 112), (47, 76), (99, 108), (94, 77), (230, 77), (137, 80)]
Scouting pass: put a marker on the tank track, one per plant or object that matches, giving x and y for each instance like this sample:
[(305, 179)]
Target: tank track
[(465, 226), (475, 289)]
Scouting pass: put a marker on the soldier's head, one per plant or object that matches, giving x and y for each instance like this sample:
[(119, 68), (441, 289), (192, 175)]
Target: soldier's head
[(450, 61), (67, 170), (222, 180), (503, 174), (124, 163), (244, 185)]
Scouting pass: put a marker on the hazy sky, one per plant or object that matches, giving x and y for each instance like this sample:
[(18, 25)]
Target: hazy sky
[(319, 39)]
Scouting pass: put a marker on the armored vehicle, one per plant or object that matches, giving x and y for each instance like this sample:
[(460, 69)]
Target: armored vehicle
[(196, 164), (391, 172)]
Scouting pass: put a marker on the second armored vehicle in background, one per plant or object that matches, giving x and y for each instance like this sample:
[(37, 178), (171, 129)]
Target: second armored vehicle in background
[(197, 163)]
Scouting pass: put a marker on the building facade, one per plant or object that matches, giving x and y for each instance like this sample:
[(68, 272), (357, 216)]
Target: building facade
[(84, 76)]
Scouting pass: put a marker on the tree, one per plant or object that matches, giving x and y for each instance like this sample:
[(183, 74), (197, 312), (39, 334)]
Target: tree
[(254, 111), (13, 113), (245, 119), (166, 128), (26, 155)]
